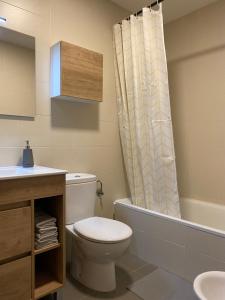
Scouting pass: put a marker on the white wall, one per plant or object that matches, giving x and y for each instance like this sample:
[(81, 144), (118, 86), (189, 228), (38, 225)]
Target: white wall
[(195, 47), (72, 136)]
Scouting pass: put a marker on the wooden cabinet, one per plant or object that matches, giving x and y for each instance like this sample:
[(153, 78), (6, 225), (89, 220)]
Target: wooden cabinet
[(27, 273), (15, 279), (15, 232), (76, 73)]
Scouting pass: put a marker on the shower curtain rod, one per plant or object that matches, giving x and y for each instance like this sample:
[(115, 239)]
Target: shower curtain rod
[(140, 11)]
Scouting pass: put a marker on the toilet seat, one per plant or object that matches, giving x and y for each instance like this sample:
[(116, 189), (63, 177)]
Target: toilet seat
[(102, 230)]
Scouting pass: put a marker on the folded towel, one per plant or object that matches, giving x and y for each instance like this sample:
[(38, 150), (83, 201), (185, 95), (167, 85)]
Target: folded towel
[(40, 238), (39, 245), (45, 224), (46, 230), (44, 220)]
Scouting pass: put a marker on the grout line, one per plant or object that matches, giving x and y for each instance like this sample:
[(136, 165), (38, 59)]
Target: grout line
[(140, 268), (21, 8)]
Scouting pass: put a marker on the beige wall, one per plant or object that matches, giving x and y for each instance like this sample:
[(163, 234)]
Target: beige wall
[(73, 136), (195, 47)]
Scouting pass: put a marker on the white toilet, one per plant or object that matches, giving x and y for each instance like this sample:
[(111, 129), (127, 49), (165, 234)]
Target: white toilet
[(95, 242)]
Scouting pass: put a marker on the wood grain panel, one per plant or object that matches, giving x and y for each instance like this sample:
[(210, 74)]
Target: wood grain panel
[(15, 232), (15, 280), (19, 199), (30, 188), (82, 72)]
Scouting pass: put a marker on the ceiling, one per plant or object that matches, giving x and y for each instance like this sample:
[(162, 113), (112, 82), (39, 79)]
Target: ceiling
[(172, 9)]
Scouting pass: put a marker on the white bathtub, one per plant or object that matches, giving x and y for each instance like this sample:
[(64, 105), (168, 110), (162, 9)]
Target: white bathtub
[(177, 245), (204, 213)]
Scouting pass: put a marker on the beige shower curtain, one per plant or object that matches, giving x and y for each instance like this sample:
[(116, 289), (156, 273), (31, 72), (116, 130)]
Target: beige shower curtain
[(144, 112)]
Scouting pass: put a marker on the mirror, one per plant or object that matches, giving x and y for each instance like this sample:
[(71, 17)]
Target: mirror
[(17, 73)]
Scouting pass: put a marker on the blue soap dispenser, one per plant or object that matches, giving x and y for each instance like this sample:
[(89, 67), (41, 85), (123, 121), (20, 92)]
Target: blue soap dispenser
[(28, 160)]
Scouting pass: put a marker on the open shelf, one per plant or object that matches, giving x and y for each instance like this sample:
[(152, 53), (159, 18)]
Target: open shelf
[(54, 207), (45, 283), (49, 261), (47, 248)]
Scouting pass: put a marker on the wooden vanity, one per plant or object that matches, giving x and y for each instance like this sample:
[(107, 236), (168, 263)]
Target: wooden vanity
[(26, 273)]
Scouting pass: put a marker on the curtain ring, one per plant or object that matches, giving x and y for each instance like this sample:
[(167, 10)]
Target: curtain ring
[(158, 5)]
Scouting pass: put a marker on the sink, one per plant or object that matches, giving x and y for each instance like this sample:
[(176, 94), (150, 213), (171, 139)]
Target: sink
[(210, 285), (12, 172)]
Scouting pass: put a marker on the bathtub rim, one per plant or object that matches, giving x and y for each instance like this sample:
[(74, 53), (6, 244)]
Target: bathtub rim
[(204, 228)]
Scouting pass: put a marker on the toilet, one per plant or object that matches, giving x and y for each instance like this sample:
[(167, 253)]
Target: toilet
[(95, 242)]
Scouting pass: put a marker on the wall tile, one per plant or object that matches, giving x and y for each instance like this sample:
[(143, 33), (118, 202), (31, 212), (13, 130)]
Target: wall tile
[(68, 135), (197, 263), (156, 227), (158, 252), (187, 251), (206, 243)]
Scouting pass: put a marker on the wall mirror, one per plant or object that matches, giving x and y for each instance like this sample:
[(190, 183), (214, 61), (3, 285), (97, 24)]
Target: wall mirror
[(17, 73)]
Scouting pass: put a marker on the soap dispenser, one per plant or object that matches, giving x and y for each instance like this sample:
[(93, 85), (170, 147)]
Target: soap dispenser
[(28, 160)]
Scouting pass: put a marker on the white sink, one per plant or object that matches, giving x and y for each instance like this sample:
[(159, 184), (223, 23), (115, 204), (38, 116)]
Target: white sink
[(20, 172), (210, 285)]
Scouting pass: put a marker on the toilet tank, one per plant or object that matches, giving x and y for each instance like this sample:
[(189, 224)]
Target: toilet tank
[(80, 196)]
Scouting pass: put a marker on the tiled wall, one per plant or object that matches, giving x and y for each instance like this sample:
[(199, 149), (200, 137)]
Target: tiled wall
[(173, 245), (195, 53), (73, 136)]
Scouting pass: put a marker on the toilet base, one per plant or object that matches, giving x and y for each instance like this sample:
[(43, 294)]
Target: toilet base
[(97, 276)]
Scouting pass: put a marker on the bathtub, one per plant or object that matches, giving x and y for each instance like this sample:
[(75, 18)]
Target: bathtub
[(180, 246), (204, 213)]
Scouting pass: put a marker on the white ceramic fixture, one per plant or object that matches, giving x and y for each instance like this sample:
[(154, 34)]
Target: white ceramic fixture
[(210, 285), (95, 243), (13, 172)]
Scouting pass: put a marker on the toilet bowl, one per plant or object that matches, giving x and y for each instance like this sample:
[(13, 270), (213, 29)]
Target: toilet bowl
[(94, 252), (95, 242)]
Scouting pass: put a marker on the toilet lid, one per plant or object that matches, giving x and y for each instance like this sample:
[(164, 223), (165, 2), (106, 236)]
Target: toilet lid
[(102, 230)]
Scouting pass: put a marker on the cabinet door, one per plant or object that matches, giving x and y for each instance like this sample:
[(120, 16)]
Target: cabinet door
[(15, 232), (15, 280)]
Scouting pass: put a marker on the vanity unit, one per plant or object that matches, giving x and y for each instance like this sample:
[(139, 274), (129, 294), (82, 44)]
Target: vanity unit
[(26, 273)]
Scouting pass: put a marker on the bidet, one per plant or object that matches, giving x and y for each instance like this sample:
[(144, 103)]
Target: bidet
[(210, 285)]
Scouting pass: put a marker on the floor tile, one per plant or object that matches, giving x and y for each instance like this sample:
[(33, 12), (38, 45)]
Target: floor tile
[(127, 295), (125, 278), (129, 271), (162, 285), (130, 263), (74, 290)]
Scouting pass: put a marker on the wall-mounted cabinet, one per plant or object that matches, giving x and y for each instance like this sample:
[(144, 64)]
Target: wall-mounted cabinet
[(76, 73)]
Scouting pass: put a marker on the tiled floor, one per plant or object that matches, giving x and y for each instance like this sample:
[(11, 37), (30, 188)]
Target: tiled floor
[(129, 269)]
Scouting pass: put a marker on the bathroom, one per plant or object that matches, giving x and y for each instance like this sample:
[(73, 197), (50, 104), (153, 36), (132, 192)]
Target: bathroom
[(84, 137)]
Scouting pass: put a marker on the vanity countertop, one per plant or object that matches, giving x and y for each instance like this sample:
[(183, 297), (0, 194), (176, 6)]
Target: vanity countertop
[(14, 172)]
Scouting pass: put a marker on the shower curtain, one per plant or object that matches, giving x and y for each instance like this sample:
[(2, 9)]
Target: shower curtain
[(144, 112)]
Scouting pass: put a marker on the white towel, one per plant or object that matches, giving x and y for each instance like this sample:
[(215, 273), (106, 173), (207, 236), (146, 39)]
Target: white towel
[(43, 220), (46, 230), (39, 245), (45, 237)]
